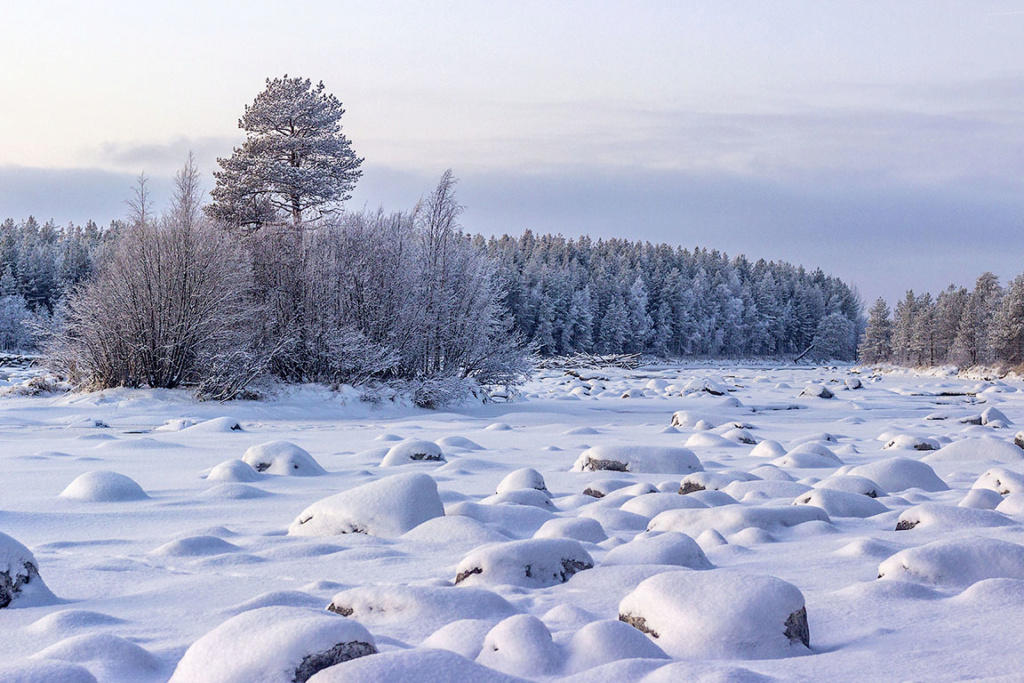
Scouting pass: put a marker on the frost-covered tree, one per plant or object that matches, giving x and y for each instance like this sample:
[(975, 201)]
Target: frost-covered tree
[(876, 346), (834, 338), (295, 160), (973, 345), (1008, 326)]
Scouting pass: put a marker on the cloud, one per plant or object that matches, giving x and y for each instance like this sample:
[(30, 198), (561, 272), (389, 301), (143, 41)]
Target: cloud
[(161, 158)]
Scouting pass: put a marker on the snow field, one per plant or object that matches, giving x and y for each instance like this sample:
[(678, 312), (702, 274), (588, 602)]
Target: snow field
[(710, 515)]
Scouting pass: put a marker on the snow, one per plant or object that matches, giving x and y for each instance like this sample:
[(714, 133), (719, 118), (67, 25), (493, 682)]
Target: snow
[(386, 507), (271, 644), (413, 451), (283, 458), (142, 581), (719, 614), (103, 487), (641, 458)]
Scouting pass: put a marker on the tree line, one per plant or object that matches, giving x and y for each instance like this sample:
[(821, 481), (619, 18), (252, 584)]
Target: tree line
[(273, 277), (982, 326)]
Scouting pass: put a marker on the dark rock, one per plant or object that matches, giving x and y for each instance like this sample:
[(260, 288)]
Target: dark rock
[(905, 525), (342, 652), (797, 628)]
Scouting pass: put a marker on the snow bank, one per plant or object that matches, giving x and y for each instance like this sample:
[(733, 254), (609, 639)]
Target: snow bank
[(900, 474), (387, 507), (656, 459), (956, 563), (670, 547), (719, 615), (20, 583), (412, 451), (282, 458), (103, 487), (531, 563), (271, 645)]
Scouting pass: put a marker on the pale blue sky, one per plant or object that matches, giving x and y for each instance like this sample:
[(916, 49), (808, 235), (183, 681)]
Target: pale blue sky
[(882, 141)]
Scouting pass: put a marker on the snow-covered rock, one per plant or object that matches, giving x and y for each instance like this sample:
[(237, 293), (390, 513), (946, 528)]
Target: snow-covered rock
[(651, 504), (273, 645), (949, 517), (420, 665), (520, 645), (20, 583), (719, 614), (531, 563), (900, 474), (604, 641), (386, 507), (817, 391), (768, 449), (458, 442), (852, 483), (841, 503), (233, 470), (524, 478), (621, 458), (413, 451), (426, 608), (282, 458), (103, 487), (957, 562), (670, 547), (1001, 480), (911, 442), (730, 519), (977, 449), (577, 528), (808, 455)]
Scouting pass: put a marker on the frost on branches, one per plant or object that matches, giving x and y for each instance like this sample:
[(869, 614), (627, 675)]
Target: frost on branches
[(295, 162)]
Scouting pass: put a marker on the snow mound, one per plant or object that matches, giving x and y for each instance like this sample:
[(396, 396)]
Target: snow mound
[(196, 546), (44, 671), (233, 470), (520, 645), (411, 666), (768, 449), (981, 499), (956, 563), (809, 455), (532, 497), (949, 517), (911, 442), (670, 547), (1012, 504), (601, 642), (817, 391), (1001, 480), (112, 657), (766, 488), (498, 427), (653, 503), (427, 607), (218, 425), (458, 442), (412, 451), (654, 459), (386, 507), (20, 583), (525, 478), (841, 503), (102, 486), (992, 416), (974, 449), (719, 615), (730, 519), (285, 644), (530, 563), (512, 520), (176, 425), (709, 440), (67, 621), (283, 458), (699, 385), (852, 484), (235, 491), (577, 528), (739, 435), (454, 530), (900, 474), (713, 481)]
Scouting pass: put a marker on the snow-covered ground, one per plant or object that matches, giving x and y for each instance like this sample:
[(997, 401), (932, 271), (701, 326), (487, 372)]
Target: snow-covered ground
[(206, 541)]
